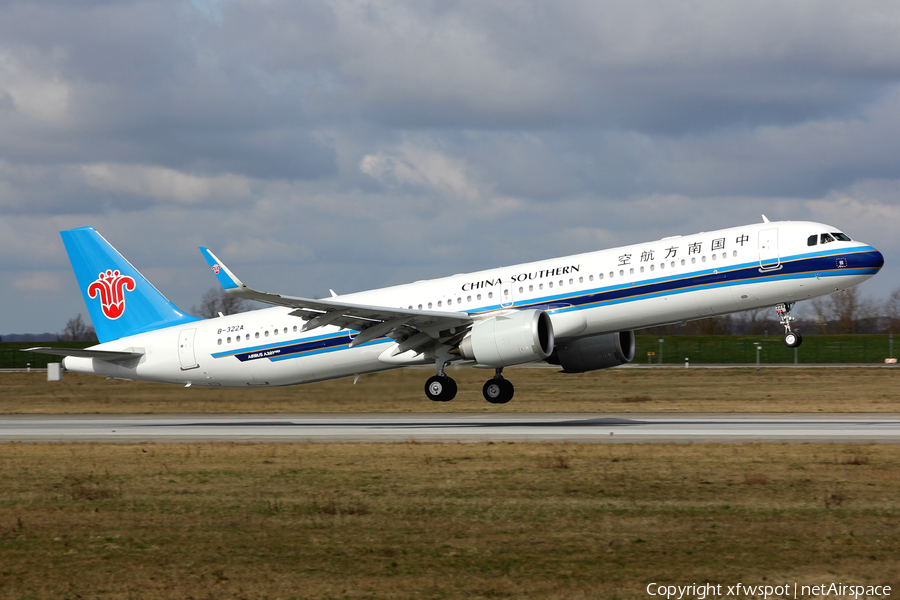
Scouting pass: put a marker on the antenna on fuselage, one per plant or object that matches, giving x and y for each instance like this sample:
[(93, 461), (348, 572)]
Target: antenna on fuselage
[(766, 219)]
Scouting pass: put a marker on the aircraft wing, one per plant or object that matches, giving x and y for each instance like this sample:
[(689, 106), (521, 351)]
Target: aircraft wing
[(107, 355), (401, 324)]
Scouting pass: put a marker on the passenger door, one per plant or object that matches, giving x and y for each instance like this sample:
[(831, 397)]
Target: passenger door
[(769, 258), (186, 349)]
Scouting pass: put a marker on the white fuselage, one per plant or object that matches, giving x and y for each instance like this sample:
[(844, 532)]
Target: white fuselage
[(671, 280)]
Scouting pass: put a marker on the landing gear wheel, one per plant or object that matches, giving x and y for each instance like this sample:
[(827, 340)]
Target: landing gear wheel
[(440, 388), (792, 339), (498, 391)]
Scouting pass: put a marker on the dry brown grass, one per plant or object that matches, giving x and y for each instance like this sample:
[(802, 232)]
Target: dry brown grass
[(537, 390), (222, 521)]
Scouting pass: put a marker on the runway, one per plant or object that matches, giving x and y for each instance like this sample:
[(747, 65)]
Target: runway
[(455, 428)]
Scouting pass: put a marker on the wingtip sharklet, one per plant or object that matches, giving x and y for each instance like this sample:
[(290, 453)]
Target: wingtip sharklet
[(226, 278)]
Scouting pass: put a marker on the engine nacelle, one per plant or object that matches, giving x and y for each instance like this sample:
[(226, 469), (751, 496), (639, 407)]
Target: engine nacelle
[(511, 339), (594, 352)]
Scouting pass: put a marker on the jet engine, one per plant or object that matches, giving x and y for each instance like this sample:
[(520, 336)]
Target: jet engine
[(511, 339), (594, 352)]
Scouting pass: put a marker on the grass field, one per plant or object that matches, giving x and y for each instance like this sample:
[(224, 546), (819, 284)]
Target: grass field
[(537, 390), (471, 521), (445, 521)]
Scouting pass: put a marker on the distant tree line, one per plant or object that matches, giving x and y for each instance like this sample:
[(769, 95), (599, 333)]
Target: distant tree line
[(842, 312)]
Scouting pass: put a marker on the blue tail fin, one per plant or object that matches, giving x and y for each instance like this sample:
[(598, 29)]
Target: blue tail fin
[(119, 299)]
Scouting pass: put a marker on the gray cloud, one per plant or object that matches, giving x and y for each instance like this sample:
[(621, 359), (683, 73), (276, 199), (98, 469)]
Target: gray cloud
[(353, 145)]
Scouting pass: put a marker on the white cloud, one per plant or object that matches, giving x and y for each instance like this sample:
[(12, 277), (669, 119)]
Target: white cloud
[(165, 185), (38, 97), (409, 165)]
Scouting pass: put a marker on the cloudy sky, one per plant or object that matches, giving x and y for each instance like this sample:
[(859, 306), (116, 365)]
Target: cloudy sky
[(354, 144)]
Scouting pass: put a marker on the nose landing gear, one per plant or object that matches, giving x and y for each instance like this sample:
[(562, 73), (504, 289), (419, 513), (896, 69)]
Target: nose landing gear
[(792, 339)]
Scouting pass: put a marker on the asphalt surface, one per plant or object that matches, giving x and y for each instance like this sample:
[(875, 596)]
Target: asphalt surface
[(430, 427)]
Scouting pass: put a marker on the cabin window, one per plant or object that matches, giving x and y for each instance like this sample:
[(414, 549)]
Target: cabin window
[(571, 281), (734, 253), (540, 286), (682, 263), (662, 265), (429, 305), (642, 269), (560, 283), (521, 290), (812, 240), (220, 341), (478, 297), (420, 307), (439, 302), (459, 300), (490, 294), (228, 340), (621, 272), (237, 339), (714, 257), (600, 276), (631, 271), (257, 335), (652, 267), (703, 259), (581, 279), (591, 278), (267, 334), (724, 255), (550, 284), (295, 327), (530, 288)]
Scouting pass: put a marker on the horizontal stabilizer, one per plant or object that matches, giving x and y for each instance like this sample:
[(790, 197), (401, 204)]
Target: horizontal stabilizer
[(107, 355)]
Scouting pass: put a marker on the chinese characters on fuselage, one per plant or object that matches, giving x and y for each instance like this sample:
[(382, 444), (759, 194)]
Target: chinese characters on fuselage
[(646, 256)]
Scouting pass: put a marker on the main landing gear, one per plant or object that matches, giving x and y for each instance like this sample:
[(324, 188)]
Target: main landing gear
[(792, 339), (498, 390), (442, 388)]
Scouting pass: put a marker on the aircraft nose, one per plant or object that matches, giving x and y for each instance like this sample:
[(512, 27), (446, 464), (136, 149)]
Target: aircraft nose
[(877, 260), (873, 260)]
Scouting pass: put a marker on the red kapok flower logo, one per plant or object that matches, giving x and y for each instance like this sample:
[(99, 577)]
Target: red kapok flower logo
[(111, 287)]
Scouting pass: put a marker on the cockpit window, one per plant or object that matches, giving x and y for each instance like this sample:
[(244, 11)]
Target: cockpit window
[(825, 238), (841, 237), (812, 240)]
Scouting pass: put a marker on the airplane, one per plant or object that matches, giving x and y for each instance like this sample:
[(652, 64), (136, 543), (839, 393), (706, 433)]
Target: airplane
[(578, 312)]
